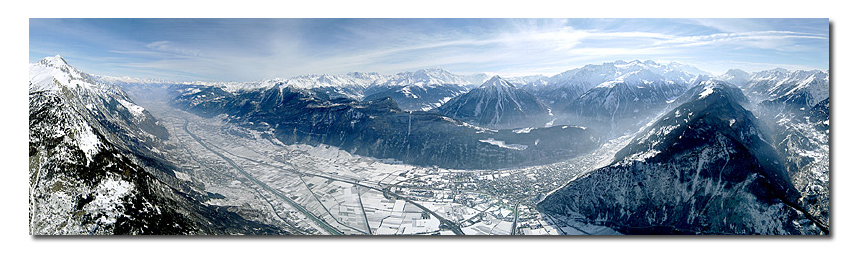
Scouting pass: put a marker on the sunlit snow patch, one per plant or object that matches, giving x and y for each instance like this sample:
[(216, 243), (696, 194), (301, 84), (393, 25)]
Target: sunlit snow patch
[(109, 199), (706, 92), (523, 130), (136, 110), (88, 142), (504, 145)]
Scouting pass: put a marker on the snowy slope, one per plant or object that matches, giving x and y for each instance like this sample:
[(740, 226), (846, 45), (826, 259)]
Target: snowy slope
[(560, 90), (634, 93), (423, 89), (497, 104), (423, 77), (800, 88), (736, 77)]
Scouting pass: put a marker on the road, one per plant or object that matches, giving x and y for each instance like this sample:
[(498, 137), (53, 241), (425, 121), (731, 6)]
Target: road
[(316, 219), (514, 220), (443, 221), (362, 207)]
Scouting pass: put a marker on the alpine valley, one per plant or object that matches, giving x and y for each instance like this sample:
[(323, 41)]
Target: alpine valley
[(624, 147)]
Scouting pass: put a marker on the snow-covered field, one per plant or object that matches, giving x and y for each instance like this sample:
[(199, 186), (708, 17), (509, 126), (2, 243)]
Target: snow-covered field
[(351, 193)]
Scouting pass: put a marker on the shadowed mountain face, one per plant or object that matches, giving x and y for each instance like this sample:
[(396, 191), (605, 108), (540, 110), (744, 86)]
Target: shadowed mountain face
[(416, 98), (704, 168), (622, 106), (795, 106), (380, 129), (497, 104), (94, 168), (561, 91)]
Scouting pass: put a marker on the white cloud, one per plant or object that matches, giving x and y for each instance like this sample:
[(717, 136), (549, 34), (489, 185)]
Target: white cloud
[(759, 39), (169, 47)]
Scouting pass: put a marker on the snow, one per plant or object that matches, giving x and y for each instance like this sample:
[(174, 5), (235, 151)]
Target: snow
[(496, 82), (110, 194), (408, 92), (88, 142), (182, 176), (707, 91), (523, 130), (502, 144), (424, 77), (51, 73), (137, 111), (191, 91)]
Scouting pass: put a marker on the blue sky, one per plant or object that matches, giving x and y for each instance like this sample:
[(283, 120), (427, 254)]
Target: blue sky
[(256, 49)]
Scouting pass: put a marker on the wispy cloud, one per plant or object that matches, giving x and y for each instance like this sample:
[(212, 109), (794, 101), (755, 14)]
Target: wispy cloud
[(253, 49), (761, 39), (168, 47)]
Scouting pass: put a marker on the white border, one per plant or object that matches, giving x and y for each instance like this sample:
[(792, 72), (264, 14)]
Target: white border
[(848, 175)]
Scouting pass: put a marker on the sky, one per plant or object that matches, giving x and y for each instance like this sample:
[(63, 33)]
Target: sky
[(258, 49)]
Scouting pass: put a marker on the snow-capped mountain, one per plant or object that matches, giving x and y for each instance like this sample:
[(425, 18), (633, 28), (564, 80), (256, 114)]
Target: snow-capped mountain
[(561, 89), (626, 103), (423, 89), (96, 166), (800, 88), (497, 104), (416, 98), (478, 78), (529, 82), (380, 129), (350, 85), (423, 77), (705, 167), (736, 77)]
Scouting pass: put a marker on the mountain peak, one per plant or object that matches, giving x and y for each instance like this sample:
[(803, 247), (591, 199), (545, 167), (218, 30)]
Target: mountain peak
[(496, 81), (497, 104), (49, 70), (57, 62)]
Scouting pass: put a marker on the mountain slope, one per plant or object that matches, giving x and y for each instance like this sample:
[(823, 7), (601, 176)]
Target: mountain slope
[(736, 77), (622, 106), (415, 98), (379, 128), (798, 88), (801, 136), (95, 167), (704, 168), (560, 90), (497, 104), (423, 89)]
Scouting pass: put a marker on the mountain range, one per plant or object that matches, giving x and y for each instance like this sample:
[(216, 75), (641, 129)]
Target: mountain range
[(738, 153)]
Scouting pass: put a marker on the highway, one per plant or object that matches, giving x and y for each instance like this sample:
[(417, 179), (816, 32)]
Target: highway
[(514, 220), (362, 208), (455, 228), (316, 219)]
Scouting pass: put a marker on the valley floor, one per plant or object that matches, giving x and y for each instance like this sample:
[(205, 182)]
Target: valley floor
[(318, 189)]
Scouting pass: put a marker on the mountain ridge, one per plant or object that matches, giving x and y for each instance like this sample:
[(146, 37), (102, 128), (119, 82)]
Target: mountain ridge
[(497, 104), (704, 168)]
